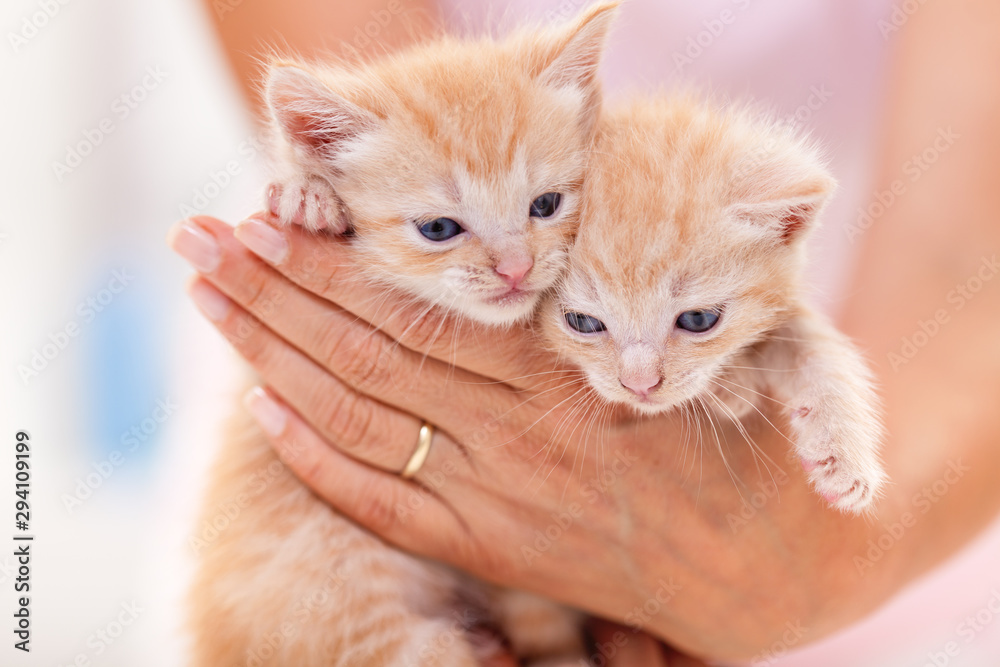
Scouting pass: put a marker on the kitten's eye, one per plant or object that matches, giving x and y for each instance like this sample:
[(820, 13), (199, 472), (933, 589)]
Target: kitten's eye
[(585, 324), (698, 321), (441, 229), (546, 205)]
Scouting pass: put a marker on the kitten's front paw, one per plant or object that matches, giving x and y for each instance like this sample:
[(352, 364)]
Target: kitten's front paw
[(841, 459), (309, 202)]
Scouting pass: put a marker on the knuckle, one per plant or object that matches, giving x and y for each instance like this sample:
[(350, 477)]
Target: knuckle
[(423, 332), (310, 469), (350, 421), (245, 335), (333, 279), (375, 509), (256, 296), (491, 428), (360, 362), (494, 563)]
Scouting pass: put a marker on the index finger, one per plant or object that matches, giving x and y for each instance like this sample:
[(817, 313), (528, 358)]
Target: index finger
[(326, 266)]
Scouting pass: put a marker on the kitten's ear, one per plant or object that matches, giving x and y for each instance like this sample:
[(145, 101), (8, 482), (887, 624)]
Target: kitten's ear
[(311, 117), (785, 219), (574, 60)]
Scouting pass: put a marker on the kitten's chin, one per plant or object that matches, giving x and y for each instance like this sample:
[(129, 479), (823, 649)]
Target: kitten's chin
[(651, 405), (506, 310)]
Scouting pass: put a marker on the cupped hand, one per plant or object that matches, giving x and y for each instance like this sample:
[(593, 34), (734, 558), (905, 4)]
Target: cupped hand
[(675, 524)]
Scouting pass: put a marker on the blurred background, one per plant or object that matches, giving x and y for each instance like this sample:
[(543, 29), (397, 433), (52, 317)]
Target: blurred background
[(122, 117)]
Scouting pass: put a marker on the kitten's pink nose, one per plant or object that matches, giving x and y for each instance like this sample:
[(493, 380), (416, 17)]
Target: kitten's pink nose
[(642, 386), (514, 269)]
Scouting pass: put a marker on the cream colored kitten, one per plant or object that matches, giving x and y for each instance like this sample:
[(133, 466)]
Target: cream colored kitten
[(457, 165), (684, 285)]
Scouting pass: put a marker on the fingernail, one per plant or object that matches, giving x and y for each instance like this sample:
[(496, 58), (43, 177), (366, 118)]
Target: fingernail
[(263, 240), (271, 416), (212, 302), (195, 245)]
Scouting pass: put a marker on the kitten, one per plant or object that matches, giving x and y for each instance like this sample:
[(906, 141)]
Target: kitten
[(457, 167), (684, 285)]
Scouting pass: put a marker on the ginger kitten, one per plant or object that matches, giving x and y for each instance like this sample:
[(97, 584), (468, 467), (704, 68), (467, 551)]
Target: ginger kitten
[(457, 167), (684, 285)]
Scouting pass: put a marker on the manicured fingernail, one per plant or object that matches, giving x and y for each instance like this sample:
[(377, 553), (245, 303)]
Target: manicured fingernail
[(263, 240), (271, 416), (195, 245), (212, 302)]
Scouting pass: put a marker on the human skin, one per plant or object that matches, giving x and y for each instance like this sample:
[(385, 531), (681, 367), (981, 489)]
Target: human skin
[(358, 400), (250, 31)]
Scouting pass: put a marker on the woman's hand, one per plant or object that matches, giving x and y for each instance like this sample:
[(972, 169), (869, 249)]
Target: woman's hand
[(656, 523)]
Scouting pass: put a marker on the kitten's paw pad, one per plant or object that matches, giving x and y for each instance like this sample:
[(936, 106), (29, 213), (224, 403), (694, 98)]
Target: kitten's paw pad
[(311, 203)]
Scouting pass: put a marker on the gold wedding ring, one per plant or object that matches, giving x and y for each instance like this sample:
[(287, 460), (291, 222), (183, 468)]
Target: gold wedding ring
[(420, 453)]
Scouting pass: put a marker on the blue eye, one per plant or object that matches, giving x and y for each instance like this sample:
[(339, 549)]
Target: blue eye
[(441, 229), (698, 321), (545, 206), (585, 324)]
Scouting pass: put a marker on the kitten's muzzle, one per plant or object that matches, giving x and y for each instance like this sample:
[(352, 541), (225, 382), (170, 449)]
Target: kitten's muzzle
[(642, 386), (511, 297), (513, 270)]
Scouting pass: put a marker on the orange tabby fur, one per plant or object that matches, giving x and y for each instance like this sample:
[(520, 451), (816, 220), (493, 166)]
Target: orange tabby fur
[(691, 208), (473, 130)]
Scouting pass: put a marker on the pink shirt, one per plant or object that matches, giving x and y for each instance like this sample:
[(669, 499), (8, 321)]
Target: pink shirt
[(824, 63)]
